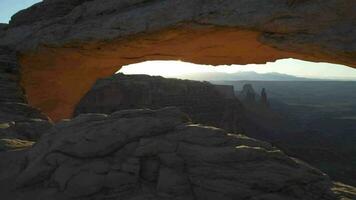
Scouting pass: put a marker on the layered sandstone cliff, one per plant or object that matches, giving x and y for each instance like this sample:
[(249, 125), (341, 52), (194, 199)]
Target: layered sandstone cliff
[(203, 102)]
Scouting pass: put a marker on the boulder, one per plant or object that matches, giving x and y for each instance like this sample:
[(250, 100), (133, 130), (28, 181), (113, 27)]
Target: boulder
[(159, 154)]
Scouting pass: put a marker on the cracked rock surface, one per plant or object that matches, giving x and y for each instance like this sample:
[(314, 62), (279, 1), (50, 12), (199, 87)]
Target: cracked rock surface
[(146, 154)]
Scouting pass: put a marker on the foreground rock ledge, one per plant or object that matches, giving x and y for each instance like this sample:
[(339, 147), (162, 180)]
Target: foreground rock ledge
[(64, 41), (145, 154)]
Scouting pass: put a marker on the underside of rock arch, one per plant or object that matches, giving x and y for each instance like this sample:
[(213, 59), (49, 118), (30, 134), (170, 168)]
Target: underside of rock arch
[(65, 46), (56, 79)]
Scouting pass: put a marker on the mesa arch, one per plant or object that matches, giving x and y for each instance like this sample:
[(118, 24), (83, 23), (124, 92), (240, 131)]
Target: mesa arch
[(64, 46)]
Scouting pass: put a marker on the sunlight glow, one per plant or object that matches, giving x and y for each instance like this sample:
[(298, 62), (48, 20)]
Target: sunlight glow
[(285, 66)]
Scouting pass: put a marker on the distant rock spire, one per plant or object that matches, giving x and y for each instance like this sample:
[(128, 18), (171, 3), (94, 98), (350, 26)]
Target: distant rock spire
[(248, 94), (264, 99)]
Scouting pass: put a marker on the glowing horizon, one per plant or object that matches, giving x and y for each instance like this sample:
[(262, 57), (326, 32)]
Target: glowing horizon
[(289, 66)]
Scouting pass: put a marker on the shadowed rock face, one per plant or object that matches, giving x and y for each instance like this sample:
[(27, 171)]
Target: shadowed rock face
[(203, 102), (63, 40), (264, 98), (248, 94), (145, 154), (17, 118)]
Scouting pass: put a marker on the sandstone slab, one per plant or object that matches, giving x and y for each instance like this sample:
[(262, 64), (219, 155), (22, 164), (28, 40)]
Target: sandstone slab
[(78, 160)]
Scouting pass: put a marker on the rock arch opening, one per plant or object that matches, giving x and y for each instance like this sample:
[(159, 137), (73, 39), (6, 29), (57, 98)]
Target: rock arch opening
[(55, 78), (294, 68), (64, 46)]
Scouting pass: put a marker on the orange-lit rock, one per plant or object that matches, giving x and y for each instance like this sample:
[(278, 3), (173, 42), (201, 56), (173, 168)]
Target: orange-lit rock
[(66, 45), (56, 78)]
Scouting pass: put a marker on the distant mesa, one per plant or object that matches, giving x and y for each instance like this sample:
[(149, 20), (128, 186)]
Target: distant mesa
[(205, 103), (244, 76)]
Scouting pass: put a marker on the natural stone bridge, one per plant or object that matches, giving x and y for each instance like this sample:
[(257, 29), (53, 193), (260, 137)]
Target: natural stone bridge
[(65, 45)]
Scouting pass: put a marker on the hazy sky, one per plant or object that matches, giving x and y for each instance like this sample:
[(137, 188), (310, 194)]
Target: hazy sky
[(286, 66)]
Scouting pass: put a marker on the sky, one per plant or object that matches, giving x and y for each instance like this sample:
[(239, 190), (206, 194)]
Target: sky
[(177, 68), (10, 7), (285, 66)]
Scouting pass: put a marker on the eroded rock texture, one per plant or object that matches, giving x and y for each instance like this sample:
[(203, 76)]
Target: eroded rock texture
[(208, 104), (63, 41), (17, 118), (145, 154), (294, 25)]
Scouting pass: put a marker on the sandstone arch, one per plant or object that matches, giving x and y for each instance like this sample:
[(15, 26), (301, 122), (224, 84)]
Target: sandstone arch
[(64, 46)]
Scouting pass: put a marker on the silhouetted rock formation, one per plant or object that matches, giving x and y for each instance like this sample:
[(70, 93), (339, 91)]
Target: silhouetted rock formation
[(17, 119), (203, 102), (248, 94), (264, 99), (249, 97), (261, 122), (145, 154)]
